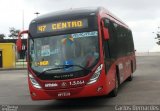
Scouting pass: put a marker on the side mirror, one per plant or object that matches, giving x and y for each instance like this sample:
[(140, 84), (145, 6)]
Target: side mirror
[(19, 41), (105, 33), (19, 44)]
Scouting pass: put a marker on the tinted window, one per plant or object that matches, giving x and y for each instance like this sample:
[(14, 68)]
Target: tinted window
[(121, 41)]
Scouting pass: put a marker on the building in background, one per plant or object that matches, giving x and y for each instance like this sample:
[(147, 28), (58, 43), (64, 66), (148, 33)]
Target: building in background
[(22, 54), (7, 55)]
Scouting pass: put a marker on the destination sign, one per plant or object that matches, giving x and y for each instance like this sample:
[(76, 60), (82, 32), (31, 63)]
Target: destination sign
[(62, 25)]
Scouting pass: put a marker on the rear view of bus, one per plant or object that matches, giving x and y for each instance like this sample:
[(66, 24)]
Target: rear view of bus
[(69, 56)]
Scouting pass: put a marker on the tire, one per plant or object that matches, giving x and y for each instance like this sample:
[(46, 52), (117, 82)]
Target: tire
[(115, 90), (130, 78)]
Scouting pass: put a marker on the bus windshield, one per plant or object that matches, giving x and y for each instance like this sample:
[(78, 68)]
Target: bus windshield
[(71, 49)]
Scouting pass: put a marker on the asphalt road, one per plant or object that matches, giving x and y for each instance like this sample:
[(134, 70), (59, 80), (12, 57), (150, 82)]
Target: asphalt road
[(143, 90)]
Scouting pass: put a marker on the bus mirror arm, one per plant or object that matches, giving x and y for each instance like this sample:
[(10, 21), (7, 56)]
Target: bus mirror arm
[(19, 40), (105, 33)]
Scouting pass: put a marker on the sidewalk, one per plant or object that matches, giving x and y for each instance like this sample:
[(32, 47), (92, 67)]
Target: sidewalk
[(19, 65)]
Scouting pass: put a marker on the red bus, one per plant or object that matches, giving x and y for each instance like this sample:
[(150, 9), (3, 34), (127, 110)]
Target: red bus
[(78, 53)]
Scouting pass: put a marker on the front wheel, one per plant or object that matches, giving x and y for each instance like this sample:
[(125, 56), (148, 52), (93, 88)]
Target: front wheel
[(115, 90), (130, 78)]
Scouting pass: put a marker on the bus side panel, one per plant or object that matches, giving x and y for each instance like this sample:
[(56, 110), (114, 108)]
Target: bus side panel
[(125, 67), (124, 72)]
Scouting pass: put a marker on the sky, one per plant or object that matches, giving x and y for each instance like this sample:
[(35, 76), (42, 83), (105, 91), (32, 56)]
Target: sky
[(142, 16)]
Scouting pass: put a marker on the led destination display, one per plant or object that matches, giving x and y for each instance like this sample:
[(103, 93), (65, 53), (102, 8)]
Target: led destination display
[(62, 25)]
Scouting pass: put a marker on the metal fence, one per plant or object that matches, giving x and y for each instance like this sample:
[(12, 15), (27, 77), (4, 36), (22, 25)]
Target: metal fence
[(21, 63)]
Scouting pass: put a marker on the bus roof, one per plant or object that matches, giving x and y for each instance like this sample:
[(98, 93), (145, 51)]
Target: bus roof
[(67, 13), (112, 16), (78, 11)]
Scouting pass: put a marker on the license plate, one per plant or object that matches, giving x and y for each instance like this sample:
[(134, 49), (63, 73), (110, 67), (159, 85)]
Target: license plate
[(64, 94)]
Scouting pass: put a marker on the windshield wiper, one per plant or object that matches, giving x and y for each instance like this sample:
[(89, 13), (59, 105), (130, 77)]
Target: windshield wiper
[(64, 67), (73, 65), (57, 68)]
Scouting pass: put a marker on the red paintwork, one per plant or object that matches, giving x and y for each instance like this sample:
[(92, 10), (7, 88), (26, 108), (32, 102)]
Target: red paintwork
[(85, 91), (105, 32), (106, 81)]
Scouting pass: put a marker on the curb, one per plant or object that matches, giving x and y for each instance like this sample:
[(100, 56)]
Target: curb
[(8, 69)]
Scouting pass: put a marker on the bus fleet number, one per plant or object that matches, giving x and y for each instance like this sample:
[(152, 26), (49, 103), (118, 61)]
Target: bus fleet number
[(74, 83)]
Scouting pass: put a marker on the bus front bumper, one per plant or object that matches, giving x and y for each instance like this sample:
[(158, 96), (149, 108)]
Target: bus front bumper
[(96, 89)]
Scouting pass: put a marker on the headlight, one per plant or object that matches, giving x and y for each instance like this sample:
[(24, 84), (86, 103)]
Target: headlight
[(34, 82), (95, 76)]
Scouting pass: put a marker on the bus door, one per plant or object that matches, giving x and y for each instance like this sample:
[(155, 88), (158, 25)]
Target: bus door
[(106, 49)]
